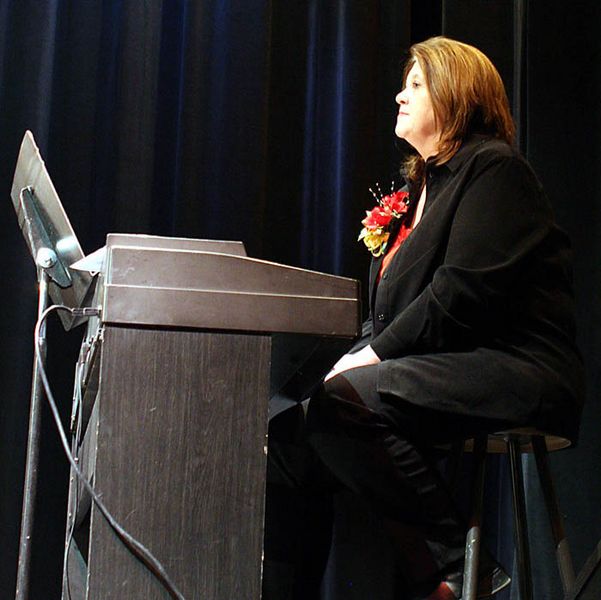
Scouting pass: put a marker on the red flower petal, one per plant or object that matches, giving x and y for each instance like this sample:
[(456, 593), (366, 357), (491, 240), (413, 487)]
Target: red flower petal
[(396, 202), (377, 217)]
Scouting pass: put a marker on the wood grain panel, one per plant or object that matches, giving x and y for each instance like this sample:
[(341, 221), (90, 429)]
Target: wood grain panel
[(181, 462)]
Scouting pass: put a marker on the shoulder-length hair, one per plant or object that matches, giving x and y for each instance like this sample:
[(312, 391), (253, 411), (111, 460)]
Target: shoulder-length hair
[(468, 96)]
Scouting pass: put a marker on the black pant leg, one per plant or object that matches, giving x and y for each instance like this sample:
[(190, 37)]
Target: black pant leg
[(376, 447), (370, 456), (298, 513)]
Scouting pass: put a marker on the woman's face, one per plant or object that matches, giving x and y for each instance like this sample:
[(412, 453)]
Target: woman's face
[(415, 122)]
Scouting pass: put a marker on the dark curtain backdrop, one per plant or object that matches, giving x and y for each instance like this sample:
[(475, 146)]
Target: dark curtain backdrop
[(267, 122)]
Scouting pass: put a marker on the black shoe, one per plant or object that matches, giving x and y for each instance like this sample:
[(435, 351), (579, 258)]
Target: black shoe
[(492, 578), (490, 582)]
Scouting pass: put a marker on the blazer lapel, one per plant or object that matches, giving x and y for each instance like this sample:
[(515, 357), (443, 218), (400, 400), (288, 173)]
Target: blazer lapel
[(374, 269)]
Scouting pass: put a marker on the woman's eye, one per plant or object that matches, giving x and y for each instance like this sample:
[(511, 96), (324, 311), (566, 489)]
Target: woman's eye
[(415, 84)]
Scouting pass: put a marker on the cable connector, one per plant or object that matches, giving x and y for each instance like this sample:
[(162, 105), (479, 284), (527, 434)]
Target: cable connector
[(86, 312)]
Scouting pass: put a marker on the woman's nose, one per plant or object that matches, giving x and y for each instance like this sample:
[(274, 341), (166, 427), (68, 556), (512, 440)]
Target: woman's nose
[(400, 97)]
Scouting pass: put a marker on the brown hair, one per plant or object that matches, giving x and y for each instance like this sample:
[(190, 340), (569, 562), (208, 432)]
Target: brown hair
[(467, 95)]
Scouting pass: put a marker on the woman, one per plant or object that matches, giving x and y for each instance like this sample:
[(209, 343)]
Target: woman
[(471, 318)]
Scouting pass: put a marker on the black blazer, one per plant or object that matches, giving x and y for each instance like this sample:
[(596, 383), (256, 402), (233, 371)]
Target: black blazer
[(475, 313)]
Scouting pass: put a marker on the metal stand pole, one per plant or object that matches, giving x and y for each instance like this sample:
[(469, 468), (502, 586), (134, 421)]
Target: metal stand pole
[(44, 260), (519, 516), (474, 534), (562, 548)]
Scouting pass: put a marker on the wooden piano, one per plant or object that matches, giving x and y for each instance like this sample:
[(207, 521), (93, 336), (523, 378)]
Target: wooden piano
[(171, 408)]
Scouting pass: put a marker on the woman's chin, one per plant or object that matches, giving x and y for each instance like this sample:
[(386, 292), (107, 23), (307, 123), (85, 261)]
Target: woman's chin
[(400, 132)]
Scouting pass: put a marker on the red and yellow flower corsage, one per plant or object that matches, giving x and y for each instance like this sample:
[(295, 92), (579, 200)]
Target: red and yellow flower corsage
[(377, 223)]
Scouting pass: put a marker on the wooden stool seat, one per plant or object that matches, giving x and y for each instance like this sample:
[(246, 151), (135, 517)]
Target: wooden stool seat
[(514, 442)]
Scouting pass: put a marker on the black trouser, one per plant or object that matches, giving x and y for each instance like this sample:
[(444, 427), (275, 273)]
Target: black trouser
[(380, 449)]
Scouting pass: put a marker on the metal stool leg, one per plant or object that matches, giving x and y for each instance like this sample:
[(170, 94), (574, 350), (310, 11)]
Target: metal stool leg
[(562, 548), (472, 542), (519, 516)]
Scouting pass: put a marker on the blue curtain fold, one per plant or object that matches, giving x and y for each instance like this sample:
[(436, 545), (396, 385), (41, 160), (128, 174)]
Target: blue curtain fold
[(229, 119)]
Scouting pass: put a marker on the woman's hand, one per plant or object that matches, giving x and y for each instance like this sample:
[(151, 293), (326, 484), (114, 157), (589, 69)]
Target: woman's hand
[(365, 356)]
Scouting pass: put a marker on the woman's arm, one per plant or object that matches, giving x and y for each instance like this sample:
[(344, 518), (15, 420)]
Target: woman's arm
[(501, 217)]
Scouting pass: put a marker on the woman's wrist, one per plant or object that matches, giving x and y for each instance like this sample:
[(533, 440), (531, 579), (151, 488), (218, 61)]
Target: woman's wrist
[(369, 355)]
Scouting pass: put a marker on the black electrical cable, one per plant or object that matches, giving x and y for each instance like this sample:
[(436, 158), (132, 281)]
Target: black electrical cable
[(73, 508), (140, 551)]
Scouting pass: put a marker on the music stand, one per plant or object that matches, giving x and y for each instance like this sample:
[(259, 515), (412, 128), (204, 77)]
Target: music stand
[(54, 247)]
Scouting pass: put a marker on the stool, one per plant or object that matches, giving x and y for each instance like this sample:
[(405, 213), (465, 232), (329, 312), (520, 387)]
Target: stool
[(515, 442)]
